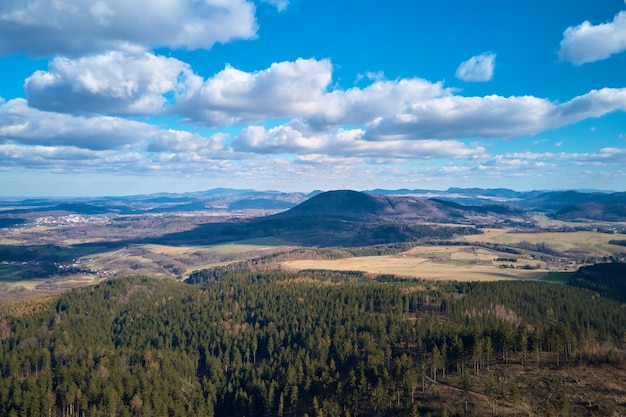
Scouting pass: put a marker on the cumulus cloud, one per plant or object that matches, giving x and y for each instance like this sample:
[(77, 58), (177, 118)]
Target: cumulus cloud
[(385, 110), (555, 170), (176, 141), (493, 116), (25, 125), (69, 158), (78, 27), (112, 82), (297, 89), (232, 96), (35, 156), (342, 143), (477, 68), (406, 109), (531, 160), (594, 104), (602, 157), (587, 43), (380, 99), (45, 140), (322, 159), (383, 123)]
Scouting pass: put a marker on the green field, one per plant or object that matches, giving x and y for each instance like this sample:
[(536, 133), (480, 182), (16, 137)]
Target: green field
[(18, 273), (558, 277)]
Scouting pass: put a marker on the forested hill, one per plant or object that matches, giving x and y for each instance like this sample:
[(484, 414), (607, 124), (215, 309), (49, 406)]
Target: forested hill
[(353, 205), (314, 343), (608, 279), (341, 219)]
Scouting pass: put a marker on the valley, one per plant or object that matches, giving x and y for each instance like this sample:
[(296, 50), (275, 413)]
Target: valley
[(344, 304), (49, 249)]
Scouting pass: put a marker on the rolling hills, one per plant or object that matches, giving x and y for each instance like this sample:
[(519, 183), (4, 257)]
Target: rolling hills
[(402, 203)]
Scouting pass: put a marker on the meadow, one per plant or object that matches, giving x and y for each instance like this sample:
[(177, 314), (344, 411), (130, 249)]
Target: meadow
[(455, 263), (495, 254), (586, 242), (477, 263)]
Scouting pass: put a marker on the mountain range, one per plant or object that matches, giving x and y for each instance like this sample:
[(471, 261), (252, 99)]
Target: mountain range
[(415, 204)]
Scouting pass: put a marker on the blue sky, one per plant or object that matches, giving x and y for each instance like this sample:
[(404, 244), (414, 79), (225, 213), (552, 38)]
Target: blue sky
[(119, 97)]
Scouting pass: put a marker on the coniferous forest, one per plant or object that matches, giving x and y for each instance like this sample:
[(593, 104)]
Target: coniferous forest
[(316, 343)]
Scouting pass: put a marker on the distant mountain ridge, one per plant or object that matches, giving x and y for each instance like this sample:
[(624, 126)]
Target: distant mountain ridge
[(402, 203)]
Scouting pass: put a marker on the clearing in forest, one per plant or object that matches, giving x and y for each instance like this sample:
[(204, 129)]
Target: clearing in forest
[(459, 263)]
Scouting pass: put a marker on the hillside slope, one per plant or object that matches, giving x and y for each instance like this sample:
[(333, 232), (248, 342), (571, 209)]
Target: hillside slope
[(353, 205)]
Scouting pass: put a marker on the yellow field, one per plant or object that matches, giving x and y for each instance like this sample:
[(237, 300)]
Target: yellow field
[(432, 262), (151, 259), (26, 284), (470, 263), (593, 243), (239, 247), (463, 263)]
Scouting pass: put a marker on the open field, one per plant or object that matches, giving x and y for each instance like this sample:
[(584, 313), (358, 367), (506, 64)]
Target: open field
[(36, 288), (476, 263), (48, 257), (173, 261), (544, 221), (573, 243), (459, 263), (24, 280)]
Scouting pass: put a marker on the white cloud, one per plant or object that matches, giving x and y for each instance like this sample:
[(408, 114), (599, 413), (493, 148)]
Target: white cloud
[(477, 68), (112, 82), (347, 143), (493, 116), (25, 125), (321, 159), (400, 110), (31, 138), (406, 109), (587, 43), (560, 161), (594, 104), (603, 157), (380, 99), (175, 141), (286, 89), (72, 159), (76, 27), (386, 123), (102, 13), (297, 89)]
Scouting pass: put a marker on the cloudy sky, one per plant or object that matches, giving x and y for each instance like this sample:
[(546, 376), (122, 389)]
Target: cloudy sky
[(119, 97)]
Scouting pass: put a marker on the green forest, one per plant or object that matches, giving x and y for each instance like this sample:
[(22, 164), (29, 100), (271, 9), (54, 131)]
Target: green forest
[(240, 342)]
